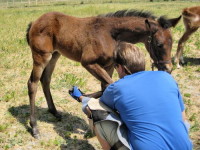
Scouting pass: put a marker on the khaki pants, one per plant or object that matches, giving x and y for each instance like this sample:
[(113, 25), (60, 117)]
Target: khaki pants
[(108, 131), (108, 125)]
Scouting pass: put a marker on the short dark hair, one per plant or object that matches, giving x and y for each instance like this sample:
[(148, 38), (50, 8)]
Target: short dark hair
[(129, 56)]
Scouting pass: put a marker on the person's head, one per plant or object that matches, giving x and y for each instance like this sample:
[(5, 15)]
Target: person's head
[(128, 59)]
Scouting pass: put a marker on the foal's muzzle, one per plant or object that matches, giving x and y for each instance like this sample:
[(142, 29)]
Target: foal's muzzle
[(163, 65)]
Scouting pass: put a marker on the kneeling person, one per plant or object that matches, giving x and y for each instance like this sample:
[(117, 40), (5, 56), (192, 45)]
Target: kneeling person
[(148, 103)]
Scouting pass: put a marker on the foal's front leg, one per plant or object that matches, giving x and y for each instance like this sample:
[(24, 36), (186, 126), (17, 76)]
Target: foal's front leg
[(109, 70), (179, 54), (102, 75)]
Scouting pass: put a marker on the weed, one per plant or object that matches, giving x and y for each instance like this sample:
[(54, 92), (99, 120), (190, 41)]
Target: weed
[(193, 117), (88, 134), (69, 79), (40, 101), (67, 134), (3, 127), (197, 44), (179, 29), (24, 92), (42, 143), (68, 127), (178, 75), (195, 127), (57, 141), (6, 147), (187, 67), (187, 95), (188, 102), (198, 69), (8, 96), (191, 77), (186, 49), (1, 83)]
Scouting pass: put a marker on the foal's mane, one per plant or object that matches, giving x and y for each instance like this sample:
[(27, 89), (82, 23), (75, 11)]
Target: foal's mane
[(130, 13), (163, 21)]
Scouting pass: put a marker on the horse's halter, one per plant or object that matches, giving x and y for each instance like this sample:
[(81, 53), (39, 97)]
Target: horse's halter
[(127, 71), (156, 62)]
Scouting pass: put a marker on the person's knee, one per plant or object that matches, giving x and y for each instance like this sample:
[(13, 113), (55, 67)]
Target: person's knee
[(107, 130)]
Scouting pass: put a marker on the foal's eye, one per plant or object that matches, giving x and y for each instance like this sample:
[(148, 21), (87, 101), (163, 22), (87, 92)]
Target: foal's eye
[(160, 45)]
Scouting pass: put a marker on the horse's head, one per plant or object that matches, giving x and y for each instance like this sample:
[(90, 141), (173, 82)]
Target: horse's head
[(159, 42)]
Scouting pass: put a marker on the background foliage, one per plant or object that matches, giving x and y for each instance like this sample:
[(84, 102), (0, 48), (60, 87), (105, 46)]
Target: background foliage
[(28, 3)]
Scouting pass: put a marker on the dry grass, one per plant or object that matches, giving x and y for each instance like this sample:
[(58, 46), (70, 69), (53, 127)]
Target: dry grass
[(73, 132)]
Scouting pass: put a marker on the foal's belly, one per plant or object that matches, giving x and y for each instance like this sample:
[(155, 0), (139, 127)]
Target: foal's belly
[(72, 54)]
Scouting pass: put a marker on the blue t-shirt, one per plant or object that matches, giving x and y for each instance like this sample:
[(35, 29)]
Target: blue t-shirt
[(150, 104)]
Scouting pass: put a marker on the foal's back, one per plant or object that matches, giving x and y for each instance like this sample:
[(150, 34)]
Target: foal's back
[(71, 36)]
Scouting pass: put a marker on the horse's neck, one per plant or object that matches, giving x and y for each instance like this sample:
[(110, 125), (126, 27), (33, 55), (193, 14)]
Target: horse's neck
[(129, 29)]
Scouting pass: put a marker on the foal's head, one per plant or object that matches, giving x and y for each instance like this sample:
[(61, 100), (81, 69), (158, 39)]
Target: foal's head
[(152, 31), (159, 42)]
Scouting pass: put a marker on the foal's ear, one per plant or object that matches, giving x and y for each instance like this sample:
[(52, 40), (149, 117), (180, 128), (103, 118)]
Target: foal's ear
[(168, 23), (174, 21), (150, 27), (147, 24)]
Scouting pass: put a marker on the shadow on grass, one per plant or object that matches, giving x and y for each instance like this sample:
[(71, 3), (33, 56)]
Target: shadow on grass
[(68, 125), (189, 61)]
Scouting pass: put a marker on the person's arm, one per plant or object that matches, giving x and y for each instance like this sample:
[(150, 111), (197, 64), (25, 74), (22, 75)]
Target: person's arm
[(78, 96), (183, 115)]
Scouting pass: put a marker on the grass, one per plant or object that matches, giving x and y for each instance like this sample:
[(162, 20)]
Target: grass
[(73, 132)]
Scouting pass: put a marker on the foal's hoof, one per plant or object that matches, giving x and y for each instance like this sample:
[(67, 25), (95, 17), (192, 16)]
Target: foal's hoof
[(36, 133), (58, 116), (178, 66), (36, 136)]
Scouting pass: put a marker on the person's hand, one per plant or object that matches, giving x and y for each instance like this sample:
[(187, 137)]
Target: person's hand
[(75, 93)]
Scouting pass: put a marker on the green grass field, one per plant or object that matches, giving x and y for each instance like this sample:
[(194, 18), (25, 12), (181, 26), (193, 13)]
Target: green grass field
[(73, 132)]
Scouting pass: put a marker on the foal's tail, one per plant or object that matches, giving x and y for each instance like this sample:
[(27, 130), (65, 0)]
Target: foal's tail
[(27, 32)]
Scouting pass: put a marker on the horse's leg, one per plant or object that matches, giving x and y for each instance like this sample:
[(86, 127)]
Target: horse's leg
[(39, 63), (110, 71), (97, 71), (45, 80), (183, 39)]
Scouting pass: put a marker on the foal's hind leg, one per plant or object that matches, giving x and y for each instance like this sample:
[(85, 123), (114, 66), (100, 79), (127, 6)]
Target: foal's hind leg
[(39, 63), (46, 79), (183, 39)]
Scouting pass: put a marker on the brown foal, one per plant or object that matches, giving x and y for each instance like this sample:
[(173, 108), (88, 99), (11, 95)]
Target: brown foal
[(91, 41), (191, 20)]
